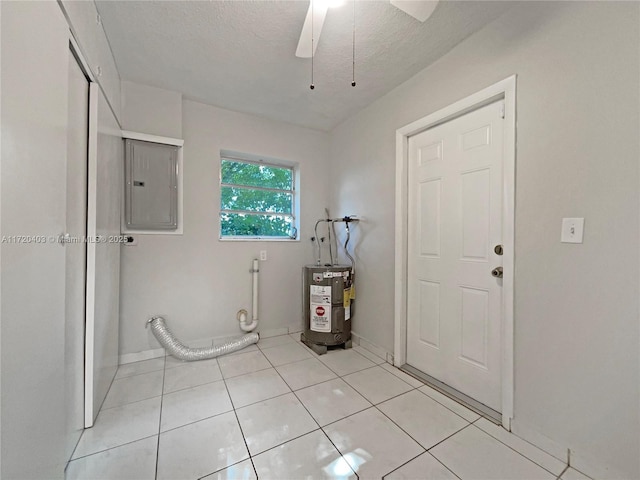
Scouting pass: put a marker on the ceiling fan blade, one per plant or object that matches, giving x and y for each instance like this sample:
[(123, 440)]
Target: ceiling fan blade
[(418, 9), (304, 44)]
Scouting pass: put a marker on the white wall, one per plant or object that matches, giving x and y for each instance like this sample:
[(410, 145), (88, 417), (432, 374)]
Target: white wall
[(34, 40), (151, 110), (34, 63), (86, 25), (576, 306), (199, 282)]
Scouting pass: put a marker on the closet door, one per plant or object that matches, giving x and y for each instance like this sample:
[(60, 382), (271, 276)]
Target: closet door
[(75, 252)]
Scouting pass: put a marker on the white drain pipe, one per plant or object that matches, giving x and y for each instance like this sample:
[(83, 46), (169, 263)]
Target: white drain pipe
[(175, 348), (242, 314)]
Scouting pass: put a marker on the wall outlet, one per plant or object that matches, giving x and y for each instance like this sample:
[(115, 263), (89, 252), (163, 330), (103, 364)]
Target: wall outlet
[(263, 255), (572, 230)]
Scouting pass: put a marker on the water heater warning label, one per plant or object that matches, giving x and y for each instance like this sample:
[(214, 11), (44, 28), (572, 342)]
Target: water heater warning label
[(320, 308)]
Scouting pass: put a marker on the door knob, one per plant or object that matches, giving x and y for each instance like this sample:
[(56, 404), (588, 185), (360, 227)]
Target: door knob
[(497, 272)]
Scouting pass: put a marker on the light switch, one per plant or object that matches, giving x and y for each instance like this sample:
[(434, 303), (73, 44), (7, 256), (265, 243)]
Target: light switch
[(572, 230)]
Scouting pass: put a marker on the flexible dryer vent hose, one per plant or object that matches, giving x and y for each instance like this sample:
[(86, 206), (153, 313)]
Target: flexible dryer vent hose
[(181, 352)]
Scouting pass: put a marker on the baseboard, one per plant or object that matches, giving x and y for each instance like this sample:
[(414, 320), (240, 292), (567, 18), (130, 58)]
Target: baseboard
[(585, 465), (372, 347), (202, 342), (274, 332), (582, 462), (295, 328), (140, 356), (553, 448)]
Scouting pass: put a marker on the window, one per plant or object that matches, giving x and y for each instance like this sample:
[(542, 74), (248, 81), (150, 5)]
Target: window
[(257, 200)]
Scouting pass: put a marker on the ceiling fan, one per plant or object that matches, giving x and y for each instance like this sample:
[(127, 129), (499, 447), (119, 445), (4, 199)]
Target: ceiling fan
[(419, 9)]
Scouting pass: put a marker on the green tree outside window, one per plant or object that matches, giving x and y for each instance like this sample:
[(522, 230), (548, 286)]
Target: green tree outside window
[(256, 200)]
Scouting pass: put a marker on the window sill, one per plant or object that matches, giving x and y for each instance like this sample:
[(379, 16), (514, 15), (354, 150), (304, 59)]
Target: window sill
[(257, 239)]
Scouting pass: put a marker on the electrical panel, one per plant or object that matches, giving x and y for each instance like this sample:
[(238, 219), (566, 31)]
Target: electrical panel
[(151, 186)]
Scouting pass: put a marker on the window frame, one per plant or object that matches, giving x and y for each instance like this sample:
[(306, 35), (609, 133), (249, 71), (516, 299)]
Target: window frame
[(294, 192)]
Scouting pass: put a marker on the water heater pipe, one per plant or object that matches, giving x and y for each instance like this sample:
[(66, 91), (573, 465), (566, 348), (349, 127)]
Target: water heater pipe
[(332, 221), (242, 314)]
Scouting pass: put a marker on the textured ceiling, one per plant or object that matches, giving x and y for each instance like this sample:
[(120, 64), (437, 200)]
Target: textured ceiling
[(240, 55)]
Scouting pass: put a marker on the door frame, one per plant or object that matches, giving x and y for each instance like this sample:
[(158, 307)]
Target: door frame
[(502, 90), (92, 143)]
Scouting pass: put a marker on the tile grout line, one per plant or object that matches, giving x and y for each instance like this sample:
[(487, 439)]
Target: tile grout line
[(341, 377), (437, 401), (400, 466), (381, 401), (193, 386), (284, 443), (395, 370), (375, 405), (160, 369), (378, 366), (160, 419), (195, 421), (315, 384), (473, 423), (103, 400), (519, 453), (339, 452), (525, 441), (350, 415), (360, 347), (321, 428), (441, 463), (311, 385), (314, 419), (220, 470), (112, 448), (445, 439), (392, 421), (355, 371), (105, 409), (414, 458), (451, 410), (262, 349), (131, 403), (402, 429), (563, 472), (242, 374), (235, 413), (115, 379), (75, 447)]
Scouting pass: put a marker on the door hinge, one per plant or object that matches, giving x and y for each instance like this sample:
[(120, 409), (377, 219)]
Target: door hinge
[(502, 110)]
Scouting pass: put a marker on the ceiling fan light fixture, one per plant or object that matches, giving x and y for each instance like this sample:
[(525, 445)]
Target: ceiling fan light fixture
[(312, 28), (421, 10)]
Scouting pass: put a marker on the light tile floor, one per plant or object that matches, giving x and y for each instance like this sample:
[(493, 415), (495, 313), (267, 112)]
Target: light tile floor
[(279, 411)]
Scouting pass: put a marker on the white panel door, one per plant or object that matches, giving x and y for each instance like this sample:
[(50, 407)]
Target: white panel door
[(76, 252), (455, 221), (106, 164)]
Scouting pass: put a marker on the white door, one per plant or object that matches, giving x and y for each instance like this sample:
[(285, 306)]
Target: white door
[(455, 221), (76, 251)]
